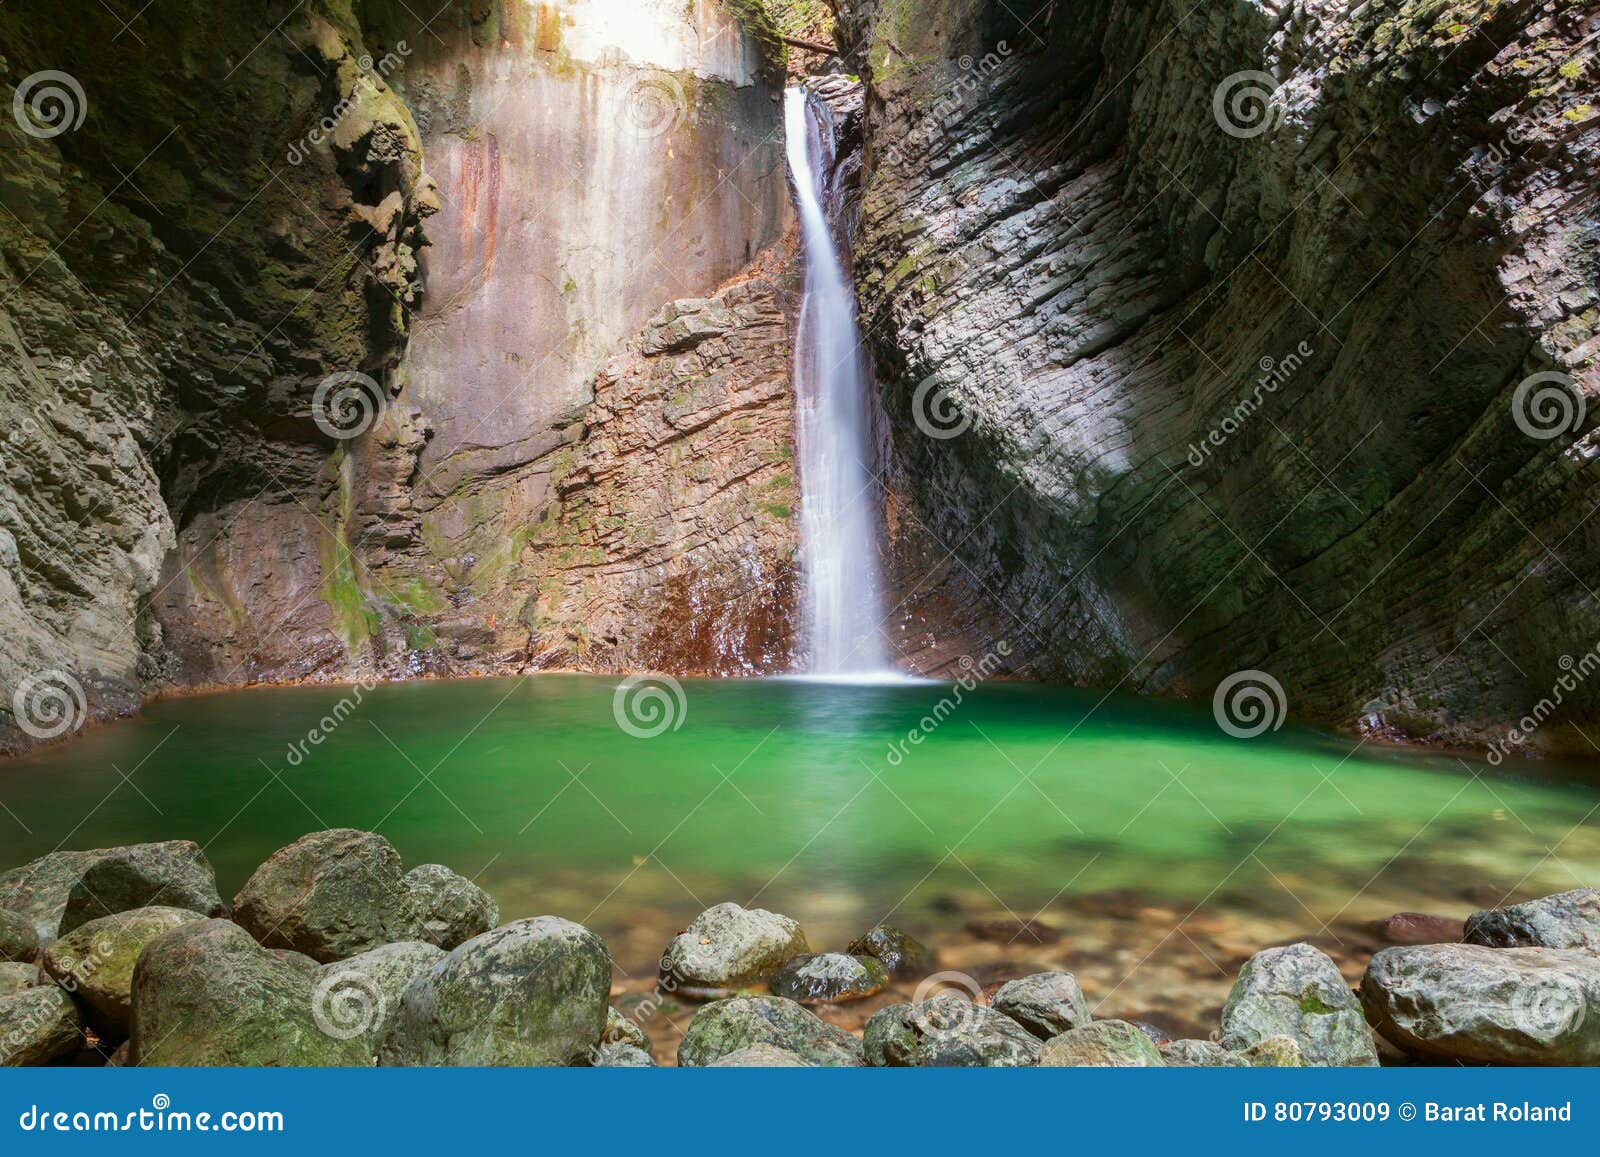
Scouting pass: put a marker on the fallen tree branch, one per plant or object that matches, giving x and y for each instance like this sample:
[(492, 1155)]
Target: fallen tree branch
[(810, 46)]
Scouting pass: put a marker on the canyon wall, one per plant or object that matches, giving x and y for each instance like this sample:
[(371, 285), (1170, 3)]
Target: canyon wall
[(1204, 331)]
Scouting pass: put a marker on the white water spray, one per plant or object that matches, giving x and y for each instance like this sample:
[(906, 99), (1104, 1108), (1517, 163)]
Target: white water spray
[(838, 494)]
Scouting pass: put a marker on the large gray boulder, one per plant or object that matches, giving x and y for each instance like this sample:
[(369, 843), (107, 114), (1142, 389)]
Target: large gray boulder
[(207, 994), (530, 993), (1297, 991), (622, 1030), (65, 890), (1199, 1054), (359, 998), (448, 909), (38, 1026), (96, 960), (761, 1056), (1567, 920), (728, 1026), (1468, 1003), (1047, 1004), (947, 1031), (19, 939), (616, 1055), (329, 895), (1104, 1044), (829, 978), (728, 948), (16, 977)]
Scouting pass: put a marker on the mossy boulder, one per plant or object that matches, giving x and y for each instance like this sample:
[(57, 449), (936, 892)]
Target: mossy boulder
[(761, 1056), (728, 948), (96, 960), (1275, 1052), (65, 890), (208, 994), (38, 1026), (16, 977), (530, 993), (1047, 1004), (1103, 1044), (19, 939), (359, 997), (900, 952), (829, 978), (1567, 920), (1297, 991), (948, 1031), (448, 908), (727, 1026), (616, 1055), (621, 1030), (1200, 1054)]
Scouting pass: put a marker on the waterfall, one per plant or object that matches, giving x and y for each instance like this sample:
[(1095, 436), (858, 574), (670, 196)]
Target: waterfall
[(838, 494)]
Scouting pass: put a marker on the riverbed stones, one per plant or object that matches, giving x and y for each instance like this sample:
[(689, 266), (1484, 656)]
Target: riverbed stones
[(1567, 920), (829, 978), (1275, 1052), (1200, 1054), (530, 993), (448, 908), (64, 890), (622, 1030), (208, 994), (359, 997), (15, 977), (1046, 1003), (38, 1026), (947, 1031), (1104, 1044), (617, 1055), (19, 939), (728, 948), (1297, 991), (726, 1026), (762, 1056), (1469, 1003), (329, 895), (96, 960), (900, 952)]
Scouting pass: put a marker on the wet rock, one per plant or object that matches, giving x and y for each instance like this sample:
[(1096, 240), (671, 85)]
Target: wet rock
[(530, 993), (15, 977), (328, 895), (623, 1030), (1158, 1035), (1568, 920), (96, 960), (1025, 933), (762, 1056), (359, 998), (728, 948), (1200, 1054), (1102, 1044), (1417, 928), (900, 952), (1469, 1003), (449, 908), (947, 1031), (1046, 1004), (727, 1026), (617, 1055), (39, 1025), (1275, 1052), (19, 939), (829, 978), (1297, 991), (207, 994), (65, 890)]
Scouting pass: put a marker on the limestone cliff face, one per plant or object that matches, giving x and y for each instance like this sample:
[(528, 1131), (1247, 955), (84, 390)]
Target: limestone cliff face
[(1221, 379)]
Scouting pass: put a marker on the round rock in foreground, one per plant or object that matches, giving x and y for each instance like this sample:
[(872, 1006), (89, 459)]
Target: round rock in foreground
[(38, 1026), (728, 1026), (96, 959), (900, 952), (19, 939), (947, 1031), (1105, 1044), (1568, 920), (1047, 1004), (729, 948), (829, 978), (1297, 991), (762, 1056)]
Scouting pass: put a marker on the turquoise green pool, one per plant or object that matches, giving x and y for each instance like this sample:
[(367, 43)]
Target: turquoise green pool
[(1021, 801)]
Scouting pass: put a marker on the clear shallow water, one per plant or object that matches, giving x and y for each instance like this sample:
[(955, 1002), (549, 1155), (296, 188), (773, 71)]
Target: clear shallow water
[(1024, 800)]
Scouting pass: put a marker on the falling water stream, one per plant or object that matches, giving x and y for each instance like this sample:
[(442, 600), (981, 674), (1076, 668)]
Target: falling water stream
[(839, 525)]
